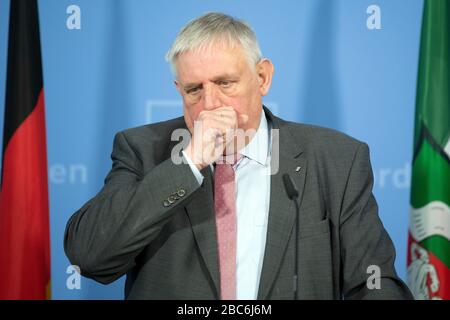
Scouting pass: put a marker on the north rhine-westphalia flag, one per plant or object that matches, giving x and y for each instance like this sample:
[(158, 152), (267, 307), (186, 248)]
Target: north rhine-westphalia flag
[(429, 229), (24, 208)]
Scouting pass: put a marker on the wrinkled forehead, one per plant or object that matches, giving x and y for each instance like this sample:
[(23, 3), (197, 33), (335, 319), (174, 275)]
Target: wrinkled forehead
[(208, 62)]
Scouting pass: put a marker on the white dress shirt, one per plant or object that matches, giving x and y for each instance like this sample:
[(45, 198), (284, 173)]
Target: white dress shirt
[(252, 209)]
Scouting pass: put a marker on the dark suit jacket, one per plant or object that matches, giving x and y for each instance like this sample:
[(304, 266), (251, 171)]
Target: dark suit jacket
[(170, 252)]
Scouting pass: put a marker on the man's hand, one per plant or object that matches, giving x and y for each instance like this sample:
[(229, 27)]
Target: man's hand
[(217, 131)]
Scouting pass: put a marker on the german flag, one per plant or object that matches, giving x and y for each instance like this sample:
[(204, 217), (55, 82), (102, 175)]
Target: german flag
[(24, 208)]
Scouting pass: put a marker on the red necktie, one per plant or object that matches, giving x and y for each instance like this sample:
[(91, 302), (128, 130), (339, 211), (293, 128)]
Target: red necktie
[(226, 223)]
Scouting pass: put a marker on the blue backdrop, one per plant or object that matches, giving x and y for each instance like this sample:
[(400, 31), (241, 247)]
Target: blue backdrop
[(332, 69)]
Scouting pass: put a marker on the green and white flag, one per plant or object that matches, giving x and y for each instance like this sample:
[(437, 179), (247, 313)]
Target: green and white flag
[(429, 229)]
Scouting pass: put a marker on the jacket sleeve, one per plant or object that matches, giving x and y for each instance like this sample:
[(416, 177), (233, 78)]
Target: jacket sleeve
[(109, 231), (366, 247)]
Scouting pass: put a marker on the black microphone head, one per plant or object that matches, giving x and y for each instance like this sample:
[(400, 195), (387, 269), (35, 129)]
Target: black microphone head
[(289, 184)]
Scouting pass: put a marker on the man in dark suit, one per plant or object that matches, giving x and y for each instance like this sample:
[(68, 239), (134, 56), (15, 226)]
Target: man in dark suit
[(209, 217)]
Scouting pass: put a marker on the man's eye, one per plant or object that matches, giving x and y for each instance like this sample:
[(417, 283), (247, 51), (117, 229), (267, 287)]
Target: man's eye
[(225, 84), (193, 90)]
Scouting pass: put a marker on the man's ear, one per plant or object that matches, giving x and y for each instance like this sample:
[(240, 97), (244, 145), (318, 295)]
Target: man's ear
[(177, 85), (265, 70)]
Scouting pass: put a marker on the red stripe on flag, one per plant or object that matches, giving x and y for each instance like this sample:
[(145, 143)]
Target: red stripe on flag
[(434, 265), (443, 274), (24, 211)]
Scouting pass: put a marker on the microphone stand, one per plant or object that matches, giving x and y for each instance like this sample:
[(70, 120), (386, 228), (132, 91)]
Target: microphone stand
[(293, 194)]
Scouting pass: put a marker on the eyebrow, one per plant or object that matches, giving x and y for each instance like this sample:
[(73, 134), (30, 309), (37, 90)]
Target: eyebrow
[(231, 77), (191, 86), (225, 77)]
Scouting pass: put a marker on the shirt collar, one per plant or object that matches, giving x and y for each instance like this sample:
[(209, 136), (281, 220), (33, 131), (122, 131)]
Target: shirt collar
[(258, 147)]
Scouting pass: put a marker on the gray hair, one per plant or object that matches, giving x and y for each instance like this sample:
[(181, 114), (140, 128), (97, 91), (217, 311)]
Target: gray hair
[(212, 28)]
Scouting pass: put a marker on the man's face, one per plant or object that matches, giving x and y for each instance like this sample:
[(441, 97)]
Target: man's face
[(220, 76)]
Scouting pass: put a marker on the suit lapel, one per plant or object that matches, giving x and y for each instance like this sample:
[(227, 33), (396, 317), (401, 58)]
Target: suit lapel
[(201, 215), (282, 210)]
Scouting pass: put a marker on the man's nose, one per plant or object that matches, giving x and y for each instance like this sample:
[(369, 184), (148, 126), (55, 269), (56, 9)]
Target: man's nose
[(211, 97)]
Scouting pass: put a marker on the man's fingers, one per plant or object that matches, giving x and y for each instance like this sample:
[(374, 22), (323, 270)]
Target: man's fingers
[(218, 124), (224, 115), (230, 116), (224, 109), (222, 112)]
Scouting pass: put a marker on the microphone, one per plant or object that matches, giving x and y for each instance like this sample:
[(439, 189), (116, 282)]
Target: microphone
[(293, 194)]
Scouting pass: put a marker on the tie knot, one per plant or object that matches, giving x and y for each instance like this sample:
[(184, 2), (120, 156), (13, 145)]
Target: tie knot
[(229, 160), (225, 169)]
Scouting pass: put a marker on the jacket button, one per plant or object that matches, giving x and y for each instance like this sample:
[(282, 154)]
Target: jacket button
[(171, 199), (181, 192), (166, 203)]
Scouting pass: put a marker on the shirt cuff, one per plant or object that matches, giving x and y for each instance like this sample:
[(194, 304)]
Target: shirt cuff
[(194, 169)]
